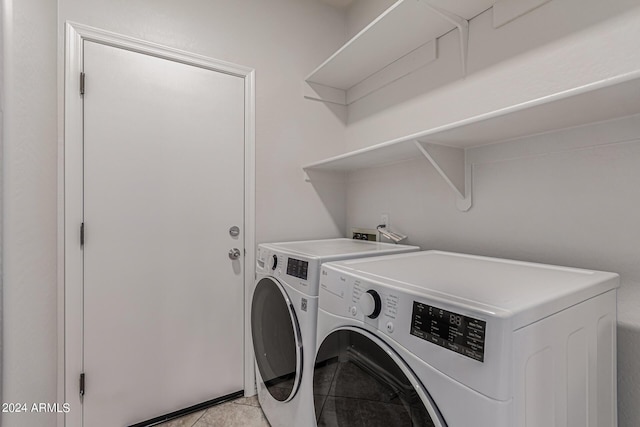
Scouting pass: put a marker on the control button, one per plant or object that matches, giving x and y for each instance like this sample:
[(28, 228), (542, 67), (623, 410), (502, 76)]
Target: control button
[(390, 327), (274, 262), (370, 304), (353, 310)]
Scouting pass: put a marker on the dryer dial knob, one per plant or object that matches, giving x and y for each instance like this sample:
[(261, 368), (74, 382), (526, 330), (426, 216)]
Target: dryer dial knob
[(370, 304), (274, 262)]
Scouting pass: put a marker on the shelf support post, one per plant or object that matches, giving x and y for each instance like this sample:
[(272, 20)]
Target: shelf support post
[(451, 163), (463, 31)]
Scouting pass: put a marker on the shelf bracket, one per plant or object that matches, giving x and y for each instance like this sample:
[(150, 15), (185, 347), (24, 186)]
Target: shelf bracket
[(463, 30), (451, 163)]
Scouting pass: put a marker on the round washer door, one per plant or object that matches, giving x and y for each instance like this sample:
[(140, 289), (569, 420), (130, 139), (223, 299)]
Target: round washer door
[(277, 342), (359, 380)]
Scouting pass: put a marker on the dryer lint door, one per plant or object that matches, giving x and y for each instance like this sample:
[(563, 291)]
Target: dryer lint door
[(277, 341), (359, 380)]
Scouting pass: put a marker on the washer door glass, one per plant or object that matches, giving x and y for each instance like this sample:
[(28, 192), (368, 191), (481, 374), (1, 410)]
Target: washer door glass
[(277, 342), (360, 381)]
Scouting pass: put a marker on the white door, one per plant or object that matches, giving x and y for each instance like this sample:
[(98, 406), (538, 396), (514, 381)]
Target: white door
[(163, 184)]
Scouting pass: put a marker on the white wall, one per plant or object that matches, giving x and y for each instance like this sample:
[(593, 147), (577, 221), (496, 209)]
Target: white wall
[(568, 198), (282, 39), (29, 207), (2, 100)]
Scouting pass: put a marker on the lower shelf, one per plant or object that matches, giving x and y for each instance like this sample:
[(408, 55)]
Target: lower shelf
[(449, 162)]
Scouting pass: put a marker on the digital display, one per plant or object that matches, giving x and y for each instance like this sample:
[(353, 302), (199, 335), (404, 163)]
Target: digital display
[(455, 332), (297, 268)]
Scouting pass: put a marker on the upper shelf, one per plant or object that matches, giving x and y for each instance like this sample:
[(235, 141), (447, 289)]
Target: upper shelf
[(595, 102), (396, 43)]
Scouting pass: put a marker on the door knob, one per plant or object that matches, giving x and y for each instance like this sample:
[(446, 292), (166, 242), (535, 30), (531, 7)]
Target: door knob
[(234, 253)]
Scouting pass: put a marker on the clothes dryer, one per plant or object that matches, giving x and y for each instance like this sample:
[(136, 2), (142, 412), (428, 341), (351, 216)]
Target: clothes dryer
[(284, 316), (441, 339)]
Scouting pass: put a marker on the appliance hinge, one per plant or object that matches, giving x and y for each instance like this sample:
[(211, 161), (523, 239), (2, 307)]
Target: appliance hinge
[(82, 235), (81, 386), (81, 83)]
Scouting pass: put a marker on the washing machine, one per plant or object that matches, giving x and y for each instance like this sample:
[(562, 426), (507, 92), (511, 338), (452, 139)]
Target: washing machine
[(442, 339), (283, 320)]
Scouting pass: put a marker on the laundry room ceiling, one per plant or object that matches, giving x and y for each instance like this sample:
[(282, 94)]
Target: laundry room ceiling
[(338, 3)]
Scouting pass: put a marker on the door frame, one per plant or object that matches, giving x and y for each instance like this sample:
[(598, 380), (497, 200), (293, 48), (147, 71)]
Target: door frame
[(70, 203)]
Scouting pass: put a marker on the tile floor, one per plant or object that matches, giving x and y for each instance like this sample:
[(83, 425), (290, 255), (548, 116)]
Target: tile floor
[(241, 412)]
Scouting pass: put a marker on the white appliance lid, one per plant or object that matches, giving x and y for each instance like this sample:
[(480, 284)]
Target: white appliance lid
[(329, 248), (501, 287)]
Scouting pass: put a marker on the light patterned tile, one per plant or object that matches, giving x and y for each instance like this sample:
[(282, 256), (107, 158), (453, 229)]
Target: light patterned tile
[(186, 421), (251, 401), (233, 415)]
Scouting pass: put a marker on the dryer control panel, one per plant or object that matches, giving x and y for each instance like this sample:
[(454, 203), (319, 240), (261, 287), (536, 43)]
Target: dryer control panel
[(297, 271), (453, 331), (298, 268)]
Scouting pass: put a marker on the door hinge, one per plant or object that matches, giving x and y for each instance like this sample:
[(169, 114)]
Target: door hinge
[(82, 234), (81, 386), (81, 83)]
